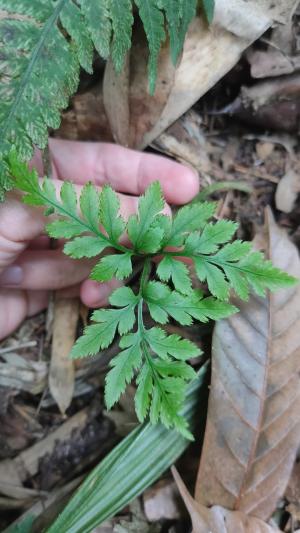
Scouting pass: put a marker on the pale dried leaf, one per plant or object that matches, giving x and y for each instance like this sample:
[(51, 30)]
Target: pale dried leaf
[(23, 374), (62, 373), (272, 63), (287, 191), (264, 150), (116, 101), (217, 519), (253, 426), (161, 501), (250, 18)]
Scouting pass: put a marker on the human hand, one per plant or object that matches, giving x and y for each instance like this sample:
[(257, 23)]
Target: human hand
[(29, 268)]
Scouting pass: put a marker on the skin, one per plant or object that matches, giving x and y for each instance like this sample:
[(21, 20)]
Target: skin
[(29, 268)]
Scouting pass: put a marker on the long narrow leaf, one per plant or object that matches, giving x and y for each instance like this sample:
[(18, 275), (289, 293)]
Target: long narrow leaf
[(132, 466)]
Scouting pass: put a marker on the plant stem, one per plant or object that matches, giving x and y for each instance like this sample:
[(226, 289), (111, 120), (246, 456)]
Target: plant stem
[(242, 186), (145, 276)]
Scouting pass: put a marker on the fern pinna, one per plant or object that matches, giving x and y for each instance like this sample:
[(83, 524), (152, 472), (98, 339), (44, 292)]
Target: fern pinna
[(158, 361), (44, 43)]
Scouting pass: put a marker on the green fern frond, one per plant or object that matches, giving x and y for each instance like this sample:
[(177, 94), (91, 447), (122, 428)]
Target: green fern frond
[(153, 21), (98, 20), (158, 361)]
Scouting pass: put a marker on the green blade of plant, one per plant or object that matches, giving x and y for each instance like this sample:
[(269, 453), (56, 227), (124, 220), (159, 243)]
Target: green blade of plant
[(131, 467)]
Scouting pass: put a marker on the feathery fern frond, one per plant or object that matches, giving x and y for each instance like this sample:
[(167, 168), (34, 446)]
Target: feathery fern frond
[(157, 360)]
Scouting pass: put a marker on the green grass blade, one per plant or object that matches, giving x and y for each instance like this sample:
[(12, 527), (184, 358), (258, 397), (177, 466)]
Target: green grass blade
[(132, 466)]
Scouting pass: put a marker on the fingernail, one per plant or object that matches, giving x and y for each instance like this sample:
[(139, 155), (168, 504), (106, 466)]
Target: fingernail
[(12, 276)]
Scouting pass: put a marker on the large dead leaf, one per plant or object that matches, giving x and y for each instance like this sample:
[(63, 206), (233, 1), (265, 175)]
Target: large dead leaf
[(136, 118), (253, 426), (217, 519)]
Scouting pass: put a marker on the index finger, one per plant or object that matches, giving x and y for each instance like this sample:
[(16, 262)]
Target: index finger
[(126, 170)]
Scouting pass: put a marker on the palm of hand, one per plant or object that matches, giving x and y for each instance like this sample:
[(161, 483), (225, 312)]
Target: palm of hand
[(29, 269)]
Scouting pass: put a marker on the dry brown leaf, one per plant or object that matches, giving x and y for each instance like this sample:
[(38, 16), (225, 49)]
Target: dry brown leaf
[(217, 519), (136, 118), (186, 142), (273, 104), (131, 111), (62, 373), (253, 426), (13, 472), (85, 119)]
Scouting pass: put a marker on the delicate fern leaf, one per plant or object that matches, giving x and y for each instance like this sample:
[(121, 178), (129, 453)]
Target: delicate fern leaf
[(94, 339), (73, 21), (86, 246), (44, 194), (153, 21), (150, 205), (170, 267), (89, 205), (65, 228), (123, 296), (15, 37), (188, 11), (214, 277), (151, 241), (251, 270), (97, 16), (168, 395), (113, 266), (27, 106), (261, 274), (124, 366), (171, 345), (122, 21), (142, 399), (210, 308), (238, 282), (25, 180), (178, 369), (69, 198), (110, 218), (173, 12), (209, 8), (234, 251), (155, 408), (164, 222), (211, 237), (189, 218), (123, 319), (39, 9), (99, 336), (162, 302)]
